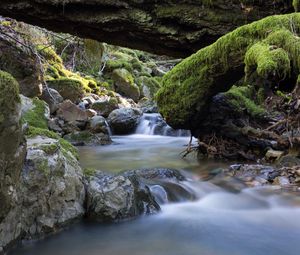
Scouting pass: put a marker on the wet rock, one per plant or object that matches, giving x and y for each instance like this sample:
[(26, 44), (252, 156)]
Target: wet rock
[(52, 186), (98, 124), (70, 112), (124, 121), (52, 98), (114, 198), (86, 138), (282, 181)]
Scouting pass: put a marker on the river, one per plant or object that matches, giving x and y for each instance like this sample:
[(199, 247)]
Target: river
[(222, 221)]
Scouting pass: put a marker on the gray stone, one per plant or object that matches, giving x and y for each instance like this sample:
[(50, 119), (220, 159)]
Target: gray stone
[(125, 120), (52, 98)]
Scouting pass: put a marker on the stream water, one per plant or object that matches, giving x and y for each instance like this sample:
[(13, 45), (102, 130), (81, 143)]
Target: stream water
[(246, 221)]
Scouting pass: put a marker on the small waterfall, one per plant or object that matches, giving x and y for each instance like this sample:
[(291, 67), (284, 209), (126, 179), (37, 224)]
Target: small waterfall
[(108, 128), (154, 124)]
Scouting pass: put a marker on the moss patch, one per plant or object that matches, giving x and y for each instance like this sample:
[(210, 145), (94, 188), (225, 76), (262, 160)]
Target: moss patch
[(9, 94), (36, 116), (65, 145)]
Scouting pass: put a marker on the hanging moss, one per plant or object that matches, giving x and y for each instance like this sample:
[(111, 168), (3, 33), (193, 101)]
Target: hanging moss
[(188, 87)]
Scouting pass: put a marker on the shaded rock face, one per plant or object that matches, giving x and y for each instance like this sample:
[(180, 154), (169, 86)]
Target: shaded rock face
[(125, 120), (12, 154), (71, 112), (21, 63), (52, 98), (148, 26), (52, 187)]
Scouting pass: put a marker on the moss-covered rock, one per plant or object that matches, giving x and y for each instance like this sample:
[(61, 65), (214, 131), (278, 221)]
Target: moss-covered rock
[(188, 87), (124, 84), (148, 86), (68, 88), (38, 115)]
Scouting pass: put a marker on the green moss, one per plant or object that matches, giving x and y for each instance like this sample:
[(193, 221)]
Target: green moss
[(188, 87), (89, 172), (65, 145), (69, 88), (244, 98), (42, 166), (36, 116), (9, 95), (117, 64), (50, 148), (267, 61), (49, 54)]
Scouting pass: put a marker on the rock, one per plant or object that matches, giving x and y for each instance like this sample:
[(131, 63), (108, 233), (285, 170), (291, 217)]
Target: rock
[(148, 106), (12, 155), (91, 113), (124, 84), (105, 105), (282, 181), (124, 121), (273, 155), (86, 138), (70, 112), (289, 161), (98, 124), (69, 88), (52, 187), (18, 61), (114, 198), (53, 124), (52, 98), (151, 29)]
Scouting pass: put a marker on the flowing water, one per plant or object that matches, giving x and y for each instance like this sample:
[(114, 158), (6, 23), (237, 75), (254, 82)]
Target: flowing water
[(222, 221)]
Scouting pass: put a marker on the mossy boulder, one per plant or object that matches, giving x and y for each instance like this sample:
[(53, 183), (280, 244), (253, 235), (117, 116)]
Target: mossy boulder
[(68, 88), (268, 47), (148, 86), (105, 105), (124, 84)]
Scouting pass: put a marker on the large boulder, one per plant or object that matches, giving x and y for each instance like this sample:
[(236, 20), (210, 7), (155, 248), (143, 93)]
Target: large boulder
[(52, 186), (124, 84), (125, 120), (114, 198), (69, 88), (12, 154), (98, 124)]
